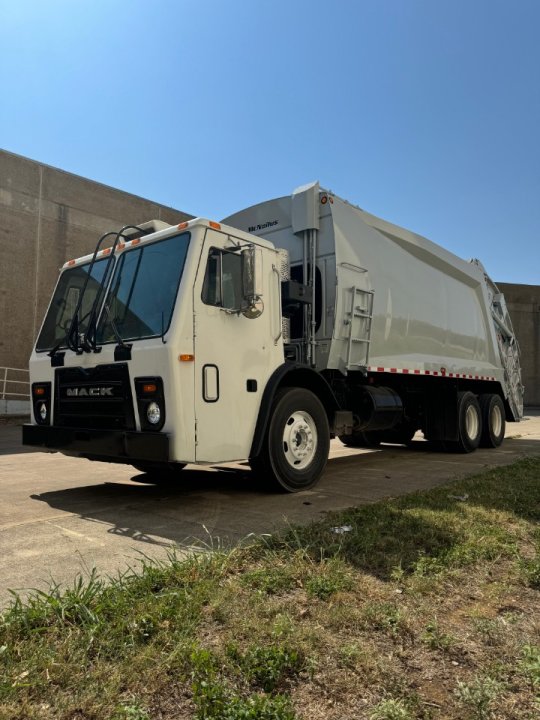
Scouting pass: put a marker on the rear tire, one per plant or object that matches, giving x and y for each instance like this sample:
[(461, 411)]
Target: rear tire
[(297, 442), (469, 424), (493, 420)]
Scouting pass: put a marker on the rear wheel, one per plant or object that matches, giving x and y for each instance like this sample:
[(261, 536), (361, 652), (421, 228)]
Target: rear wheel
[(469, 424), (297, 442), (493, 420)]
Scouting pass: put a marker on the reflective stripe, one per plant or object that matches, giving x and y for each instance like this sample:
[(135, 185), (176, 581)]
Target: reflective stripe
[(431, 373)]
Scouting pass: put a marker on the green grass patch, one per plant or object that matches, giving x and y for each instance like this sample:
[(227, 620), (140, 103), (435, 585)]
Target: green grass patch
[(426, 608)]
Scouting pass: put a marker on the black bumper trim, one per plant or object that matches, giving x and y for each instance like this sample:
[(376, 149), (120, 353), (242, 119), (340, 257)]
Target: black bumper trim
[(112, 445)]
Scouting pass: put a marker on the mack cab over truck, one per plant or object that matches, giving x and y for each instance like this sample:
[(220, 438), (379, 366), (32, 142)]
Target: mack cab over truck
[(263, 336)]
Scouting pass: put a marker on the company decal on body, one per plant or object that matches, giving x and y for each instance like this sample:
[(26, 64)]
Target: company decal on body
[(90, 392), (270, 223), (435, 373)]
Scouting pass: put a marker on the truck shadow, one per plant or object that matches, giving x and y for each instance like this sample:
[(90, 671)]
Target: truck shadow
[(224, 505)]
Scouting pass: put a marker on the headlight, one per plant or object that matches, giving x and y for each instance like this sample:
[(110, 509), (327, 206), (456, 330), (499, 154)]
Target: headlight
[(151, 403), (153, 413), (41, 394)]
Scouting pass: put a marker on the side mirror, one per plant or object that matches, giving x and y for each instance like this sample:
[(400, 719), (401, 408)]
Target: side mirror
[(251, 278)]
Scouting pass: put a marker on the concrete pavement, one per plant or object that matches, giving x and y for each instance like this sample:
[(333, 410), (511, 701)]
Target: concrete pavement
[(60, 516)]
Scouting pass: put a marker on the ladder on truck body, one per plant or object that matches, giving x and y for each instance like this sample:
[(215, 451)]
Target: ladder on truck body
[(359, 319)]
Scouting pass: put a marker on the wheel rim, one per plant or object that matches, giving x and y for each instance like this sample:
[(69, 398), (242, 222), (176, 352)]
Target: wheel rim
[(496, 420), (299, 439), (471, 422)]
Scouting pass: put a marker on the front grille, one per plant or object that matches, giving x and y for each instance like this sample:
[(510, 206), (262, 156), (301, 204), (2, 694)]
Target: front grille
[(94, 398)]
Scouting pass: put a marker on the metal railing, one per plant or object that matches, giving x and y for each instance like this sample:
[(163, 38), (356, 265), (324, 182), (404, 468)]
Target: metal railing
[(7, 382)]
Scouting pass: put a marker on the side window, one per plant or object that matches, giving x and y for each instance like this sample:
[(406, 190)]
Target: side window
[(222, 285)]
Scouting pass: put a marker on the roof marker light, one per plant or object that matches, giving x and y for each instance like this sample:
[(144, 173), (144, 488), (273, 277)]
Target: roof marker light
[(214, 225), (182, 226)]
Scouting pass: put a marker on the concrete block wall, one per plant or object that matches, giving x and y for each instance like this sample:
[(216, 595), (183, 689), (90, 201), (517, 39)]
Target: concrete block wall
[(48, 216), (523, 302)]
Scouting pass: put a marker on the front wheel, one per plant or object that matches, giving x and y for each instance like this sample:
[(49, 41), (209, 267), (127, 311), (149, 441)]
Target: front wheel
[(297, 442)]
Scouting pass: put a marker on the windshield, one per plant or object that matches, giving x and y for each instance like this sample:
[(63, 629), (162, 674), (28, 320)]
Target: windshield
[(142, 293), (65, 299), (140, 301)]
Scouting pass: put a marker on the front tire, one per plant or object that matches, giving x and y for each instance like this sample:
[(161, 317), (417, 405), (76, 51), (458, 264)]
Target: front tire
[(297, 442)]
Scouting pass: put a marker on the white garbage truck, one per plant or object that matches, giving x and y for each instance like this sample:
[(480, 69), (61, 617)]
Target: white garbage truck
[(262, 337)]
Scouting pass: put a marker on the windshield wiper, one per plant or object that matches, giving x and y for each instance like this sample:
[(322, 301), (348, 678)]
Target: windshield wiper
[(86, 342)]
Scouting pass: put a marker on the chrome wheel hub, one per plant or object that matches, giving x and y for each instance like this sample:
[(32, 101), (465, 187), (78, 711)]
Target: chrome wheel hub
[(299, 439)]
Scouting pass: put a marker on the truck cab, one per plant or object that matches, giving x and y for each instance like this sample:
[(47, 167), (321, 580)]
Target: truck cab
[(155, 351)]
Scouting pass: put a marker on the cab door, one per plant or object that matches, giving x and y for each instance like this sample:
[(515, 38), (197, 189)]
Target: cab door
[(234, 354)]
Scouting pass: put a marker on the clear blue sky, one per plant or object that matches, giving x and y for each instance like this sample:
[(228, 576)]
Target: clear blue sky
[(425, 112)]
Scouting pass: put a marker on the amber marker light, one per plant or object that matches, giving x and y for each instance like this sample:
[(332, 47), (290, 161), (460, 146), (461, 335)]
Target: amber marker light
[(107, 251), (214, 225), (186, 358), (149, 388), (39, 391), (182, 226), (70, 263), (136, 241)]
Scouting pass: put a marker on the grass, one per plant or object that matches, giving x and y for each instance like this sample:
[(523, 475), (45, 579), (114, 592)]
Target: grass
[(426, 608)]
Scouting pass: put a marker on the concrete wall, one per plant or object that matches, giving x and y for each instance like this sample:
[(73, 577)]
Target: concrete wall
[(523, 302), (48, 216)]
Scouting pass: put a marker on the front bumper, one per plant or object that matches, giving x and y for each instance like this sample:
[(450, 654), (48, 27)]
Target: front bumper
[(108, 445)]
